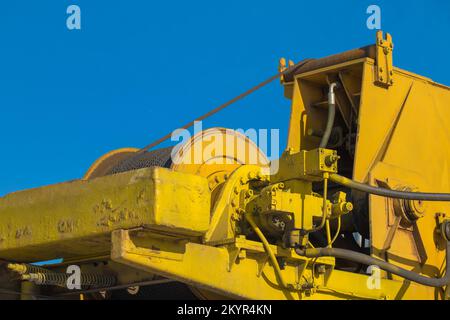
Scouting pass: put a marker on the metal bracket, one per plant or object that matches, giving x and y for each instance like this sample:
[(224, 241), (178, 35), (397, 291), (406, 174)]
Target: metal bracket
[(233, 256), (384, 70), (261, 264)]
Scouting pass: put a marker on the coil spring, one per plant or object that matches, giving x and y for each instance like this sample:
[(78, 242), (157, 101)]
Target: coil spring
[(60, 279)]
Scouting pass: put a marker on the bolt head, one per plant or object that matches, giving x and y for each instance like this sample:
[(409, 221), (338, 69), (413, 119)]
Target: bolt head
[(418, 206), (321, 269), (348, 206)]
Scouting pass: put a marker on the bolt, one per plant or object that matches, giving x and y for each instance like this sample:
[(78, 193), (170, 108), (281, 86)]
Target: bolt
[(307, 286), (331, 159), (321, 269), (348, 206), (417, 206)]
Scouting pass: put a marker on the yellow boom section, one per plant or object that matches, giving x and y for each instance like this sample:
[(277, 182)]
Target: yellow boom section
[(75, 219)]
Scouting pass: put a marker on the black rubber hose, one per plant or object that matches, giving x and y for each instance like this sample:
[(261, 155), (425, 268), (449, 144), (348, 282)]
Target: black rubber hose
[(329, 127), (331, 115), (425, 196), (368, 260)]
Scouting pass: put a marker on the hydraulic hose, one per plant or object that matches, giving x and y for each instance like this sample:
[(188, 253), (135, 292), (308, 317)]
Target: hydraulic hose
[(324, 206), (338, 230), (331, 114), (425, 196), (368, 260), (269, 251)]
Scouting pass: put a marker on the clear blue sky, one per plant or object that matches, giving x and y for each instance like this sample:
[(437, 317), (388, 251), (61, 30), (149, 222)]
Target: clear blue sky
[(138, 69)]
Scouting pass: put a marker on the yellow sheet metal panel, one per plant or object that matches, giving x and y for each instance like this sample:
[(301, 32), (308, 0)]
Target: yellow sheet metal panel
[(76, 218), (403, 142)]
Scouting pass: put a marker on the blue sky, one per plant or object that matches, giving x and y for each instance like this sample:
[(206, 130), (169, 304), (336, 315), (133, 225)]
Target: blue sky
[(138, 69)]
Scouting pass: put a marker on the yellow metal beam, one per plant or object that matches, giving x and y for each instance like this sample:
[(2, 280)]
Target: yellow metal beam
[(75, 219), (207, 267)]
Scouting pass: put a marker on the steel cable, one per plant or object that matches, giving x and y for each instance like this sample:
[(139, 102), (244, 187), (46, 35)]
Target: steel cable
[(229, 102)]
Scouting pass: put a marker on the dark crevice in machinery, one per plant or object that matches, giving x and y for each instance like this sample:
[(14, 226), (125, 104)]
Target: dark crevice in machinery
[(342, 137)]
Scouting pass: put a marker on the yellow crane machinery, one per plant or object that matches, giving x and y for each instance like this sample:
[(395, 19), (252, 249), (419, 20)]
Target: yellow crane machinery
[(358, 208)]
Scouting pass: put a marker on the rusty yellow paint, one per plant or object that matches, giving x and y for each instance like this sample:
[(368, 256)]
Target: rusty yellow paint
[(75, 219)]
